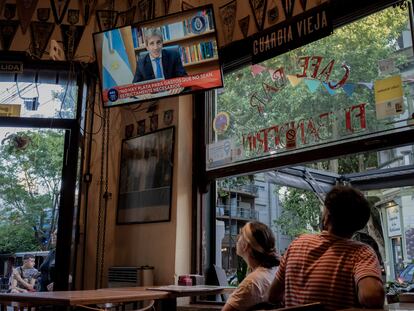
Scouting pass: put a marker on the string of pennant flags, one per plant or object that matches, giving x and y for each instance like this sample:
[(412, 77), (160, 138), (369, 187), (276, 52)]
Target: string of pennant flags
[(314, 84)]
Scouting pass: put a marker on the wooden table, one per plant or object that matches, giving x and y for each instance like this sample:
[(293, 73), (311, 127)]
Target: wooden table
[(168, 299), (400, 306)]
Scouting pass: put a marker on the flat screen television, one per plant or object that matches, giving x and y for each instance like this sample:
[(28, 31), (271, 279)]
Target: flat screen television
[(168, 56)]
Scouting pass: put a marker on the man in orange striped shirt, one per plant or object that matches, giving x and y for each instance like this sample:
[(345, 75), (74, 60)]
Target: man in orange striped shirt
[(330, 267)]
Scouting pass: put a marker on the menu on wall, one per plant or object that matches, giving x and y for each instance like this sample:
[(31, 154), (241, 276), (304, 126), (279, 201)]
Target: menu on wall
[(394, 222)]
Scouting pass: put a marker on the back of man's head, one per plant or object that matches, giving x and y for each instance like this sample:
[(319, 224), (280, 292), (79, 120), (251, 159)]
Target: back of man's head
[(348, 210)]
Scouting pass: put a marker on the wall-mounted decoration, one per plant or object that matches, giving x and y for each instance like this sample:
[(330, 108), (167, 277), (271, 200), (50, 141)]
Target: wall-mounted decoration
[(153, 122), (9, 11), (59, 9), (71, 34), (228, 19), (129, 130), (8, 30), (146, 10), (221, 122), (259, 12), (186, 6), (167, 4), (273, 15), (43, 14), (168, 117), (303, 4), (73, 16), (126, 17), (145, 180), (2, 2), (288, 6), (106, 19), (40, 35), (25, 10), (244, 25), (87, 7), (141, 128)]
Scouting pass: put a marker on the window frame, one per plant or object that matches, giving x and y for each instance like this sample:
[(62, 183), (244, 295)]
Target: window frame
[(70, 168), (235, 56)]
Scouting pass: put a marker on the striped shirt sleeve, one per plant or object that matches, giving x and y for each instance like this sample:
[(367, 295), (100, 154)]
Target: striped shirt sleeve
[(366, 264), (281, 271)]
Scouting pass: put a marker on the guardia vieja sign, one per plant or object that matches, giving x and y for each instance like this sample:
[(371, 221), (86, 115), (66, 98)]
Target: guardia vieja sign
[(299, 30)]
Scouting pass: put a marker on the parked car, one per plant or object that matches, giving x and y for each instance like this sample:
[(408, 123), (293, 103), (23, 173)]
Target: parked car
[(407, 275)]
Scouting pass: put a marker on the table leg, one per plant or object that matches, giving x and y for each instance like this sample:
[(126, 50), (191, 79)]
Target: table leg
[(168, 304)]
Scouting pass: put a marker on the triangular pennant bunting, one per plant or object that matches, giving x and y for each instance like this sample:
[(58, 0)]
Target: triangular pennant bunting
[(349, 88), (73, 16), (41, 33), (312, 84), (167, 4), (106, 19), (288, 6), (7, 31), (186, 6), (259, 10), (25, 10), (126, 17), (2, 2), (87, 7), (59, 11), (256, 69), (244, 25), (330, 91), (43, 14), (303, 4), (146, 10), (71, 36), (228, 18), (294, 80), (10, 10)]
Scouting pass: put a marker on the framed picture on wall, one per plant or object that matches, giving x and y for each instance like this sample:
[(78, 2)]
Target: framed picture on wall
[(145, 180)]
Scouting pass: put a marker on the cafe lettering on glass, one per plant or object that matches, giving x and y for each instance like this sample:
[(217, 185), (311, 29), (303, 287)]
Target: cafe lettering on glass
[(302, 29), (309, 131), (314, 64)]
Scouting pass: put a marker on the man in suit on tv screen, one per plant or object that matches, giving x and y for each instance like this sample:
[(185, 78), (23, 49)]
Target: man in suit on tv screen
[(159, 62)]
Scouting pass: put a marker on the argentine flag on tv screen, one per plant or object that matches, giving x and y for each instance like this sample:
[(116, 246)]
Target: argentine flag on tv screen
[(116, 67)]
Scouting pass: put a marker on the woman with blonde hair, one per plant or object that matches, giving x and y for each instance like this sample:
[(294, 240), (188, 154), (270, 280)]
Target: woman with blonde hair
[(256, 245)]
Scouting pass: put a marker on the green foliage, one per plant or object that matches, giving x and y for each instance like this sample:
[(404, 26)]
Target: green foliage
[(30, 180), (301, 212), (359, 45)]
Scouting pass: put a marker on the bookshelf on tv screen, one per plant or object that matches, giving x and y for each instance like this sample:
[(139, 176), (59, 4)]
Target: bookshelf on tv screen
[(173, 55)]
